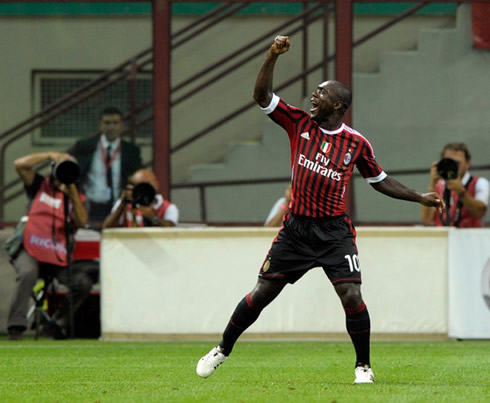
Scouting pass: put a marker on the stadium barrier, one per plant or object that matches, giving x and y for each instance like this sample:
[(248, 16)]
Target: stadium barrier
[(171, 283)]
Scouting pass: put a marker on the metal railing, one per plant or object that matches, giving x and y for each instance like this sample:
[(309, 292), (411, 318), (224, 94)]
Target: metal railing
[(203, 186)]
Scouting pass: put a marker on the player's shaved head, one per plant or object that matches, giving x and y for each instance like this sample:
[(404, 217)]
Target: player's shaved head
[(343, 92)]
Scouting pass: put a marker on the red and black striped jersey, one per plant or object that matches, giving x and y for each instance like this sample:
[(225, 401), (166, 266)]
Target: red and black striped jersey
[(322, 161)]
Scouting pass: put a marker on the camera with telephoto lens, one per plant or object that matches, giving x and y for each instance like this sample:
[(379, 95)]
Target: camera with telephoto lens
[(66, 171), (447, 168), (144, 194)]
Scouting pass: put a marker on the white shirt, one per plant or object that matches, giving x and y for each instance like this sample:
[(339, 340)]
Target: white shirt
[(275, 209), (96, 189), (481, 187)]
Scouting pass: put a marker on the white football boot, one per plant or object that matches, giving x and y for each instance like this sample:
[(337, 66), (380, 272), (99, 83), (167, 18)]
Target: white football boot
[(212, 360), (364, 375)]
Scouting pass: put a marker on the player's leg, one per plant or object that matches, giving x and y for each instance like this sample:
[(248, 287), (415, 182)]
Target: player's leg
[(245, 314), (339, 259), (358, 326), (283, 265), (27, 269), (248, 310)]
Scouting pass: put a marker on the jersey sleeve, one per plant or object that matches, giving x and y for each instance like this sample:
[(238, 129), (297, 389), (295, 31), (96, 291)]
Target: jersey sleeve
[(367, 165), (283, 114)]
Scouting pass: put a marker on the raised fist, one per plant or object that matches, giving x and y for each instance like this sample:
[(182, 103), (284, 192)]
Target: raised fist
[(280, 45)]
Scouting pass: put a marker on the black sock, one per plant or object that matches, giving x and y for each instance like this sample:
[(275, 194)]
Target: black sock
[(359, 328), (244, 315)]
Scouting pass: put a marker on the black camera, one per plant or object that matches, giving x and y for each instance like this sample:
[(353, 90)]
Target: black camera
[(447, 168), (144, 194), (66, 171)]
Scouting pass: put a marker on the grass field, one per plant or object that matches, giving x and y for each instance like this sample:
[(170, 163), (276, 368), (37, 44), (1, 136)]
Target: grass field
[(306, 371)]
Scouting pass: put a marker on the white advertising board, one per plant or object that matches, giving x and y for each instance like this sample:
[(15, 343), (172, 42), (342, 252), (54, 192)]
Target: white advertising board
[(469, 283)]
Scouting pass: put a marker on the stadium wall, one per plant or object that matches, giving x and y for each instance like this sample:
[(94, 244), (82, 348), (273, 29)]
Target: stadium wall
[(182, 282)]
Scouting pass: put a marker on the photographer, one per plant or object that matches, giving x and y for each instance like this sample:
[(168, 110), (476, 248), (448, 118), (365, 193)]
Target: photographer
[(465, 196), (44, 248), (141, 206), (279, 210)]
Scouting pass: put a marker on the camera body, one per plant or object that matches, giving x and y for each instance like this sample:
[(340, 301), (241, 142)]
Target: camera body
[(447, 168), (144, 194), (66, 171)]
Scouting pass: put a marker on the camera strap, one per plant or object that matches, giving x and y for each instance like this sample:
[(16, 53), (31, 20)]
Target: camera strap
[(447, 202), (459, 206), (134, 218)]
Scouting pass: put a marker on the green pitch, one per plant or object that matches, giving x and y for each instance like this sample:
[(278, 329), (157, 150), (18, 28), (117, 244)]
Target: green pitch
[(93, 371)]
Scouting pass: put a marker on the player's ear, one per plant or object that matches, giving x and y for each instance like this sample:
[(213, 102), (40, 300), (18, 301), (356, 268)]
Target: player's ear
[(338, 105)]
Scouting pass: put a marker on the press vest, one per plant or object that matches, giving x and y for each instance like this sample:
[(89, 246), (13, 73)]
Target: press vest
[(134, 218), (466, 220), (44, 235)]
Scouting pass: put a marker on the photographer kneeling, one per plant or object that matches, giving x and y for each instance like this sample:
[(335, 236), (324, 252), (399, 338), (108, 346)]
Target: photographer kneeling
[(465, 196), (55, 210), (141, 206)]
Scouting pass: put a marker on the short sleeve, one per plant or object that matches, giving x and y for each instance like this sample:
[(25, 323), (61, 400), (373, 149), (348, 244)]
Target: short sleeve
[(171, 214), (285, 115), (367, 165), (482, 190)]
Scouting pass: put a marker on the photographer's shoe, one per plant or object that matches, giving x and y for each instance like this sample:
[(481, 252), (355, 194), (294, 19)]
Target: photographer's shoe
[(212, 360)]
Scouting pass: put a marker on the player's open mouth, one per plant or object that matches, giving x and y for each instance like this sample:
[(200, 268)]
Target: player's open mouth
[(314, 106)]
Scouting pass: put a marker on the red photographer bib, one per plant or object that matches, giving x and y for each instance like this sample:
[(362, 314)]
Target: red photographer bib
[(44, 235), (463, 216), (134, 218)]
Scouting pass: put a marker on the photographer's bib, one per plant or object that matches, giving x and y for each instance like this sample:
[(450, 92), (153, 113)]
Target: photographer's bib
[(134, 218), (44, 235), (459, 216)]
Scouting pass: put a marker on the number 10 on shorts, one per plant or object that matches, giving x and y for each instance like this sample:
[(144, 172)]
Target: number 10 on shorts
[(353, 262)]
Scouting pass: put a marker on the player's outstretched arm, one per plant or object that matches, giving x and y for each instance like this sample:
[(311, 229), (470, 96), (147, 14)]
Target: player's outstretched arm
[(391, 187), (263, 83)]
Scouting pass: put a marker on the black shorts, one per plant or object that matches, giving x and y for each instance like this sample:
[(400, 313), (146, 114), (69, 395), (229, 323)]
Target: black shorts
[(304, 243)]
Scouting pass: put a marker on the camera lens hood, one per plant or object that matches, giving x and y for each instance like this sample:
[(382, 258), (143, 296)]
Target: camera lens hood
[(144, 194), (66, 171), (447, 168)]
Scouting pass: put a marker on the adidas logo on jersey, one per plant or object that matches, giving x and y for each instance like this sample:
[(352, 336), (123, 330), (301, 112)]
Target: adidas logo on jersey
[(305, 135)]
